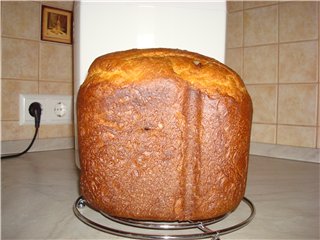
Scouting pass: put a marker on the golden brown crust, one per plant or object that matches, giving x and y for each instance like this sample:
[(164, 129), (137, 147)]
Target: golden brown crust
[(163, 135), (200, 72)]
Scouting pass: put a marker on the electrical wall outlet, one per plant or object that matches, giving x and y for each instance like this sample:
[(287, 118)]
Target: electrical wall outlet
[(56, 109)]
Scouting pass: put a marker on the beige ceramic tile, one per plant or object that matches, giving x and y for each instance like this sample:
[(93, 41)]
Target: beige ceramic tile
[(234, 59), (297, 136), (11, 130), (263, 133), (21, 19), (234, 6), (235, 29), (10, 91), (298, 21), (264, 98), (252, 4), (67, 5), (55, 88), (56, 131), (55, 62), (19, 58), (261, 64), (298, 104), (260, 25), (298, 62)]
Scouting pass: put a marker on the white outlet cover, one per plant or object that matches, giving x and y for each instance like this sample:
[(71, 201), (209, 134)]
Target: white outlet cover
[(48, 104)]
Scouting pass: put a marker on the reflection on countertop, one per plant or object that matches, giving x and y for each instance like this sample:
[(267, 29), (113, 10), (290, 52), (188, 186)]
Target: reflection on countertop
[(39, 189)]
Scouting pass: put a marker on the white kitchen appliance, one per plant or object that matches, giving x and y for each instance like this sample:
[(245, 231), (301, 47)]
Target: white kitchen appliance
[(104, 27)]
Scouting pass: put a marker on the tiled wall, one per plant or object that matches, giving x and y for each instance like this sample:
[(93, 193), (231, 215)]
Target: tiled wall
[(274, 46), (31, 66)]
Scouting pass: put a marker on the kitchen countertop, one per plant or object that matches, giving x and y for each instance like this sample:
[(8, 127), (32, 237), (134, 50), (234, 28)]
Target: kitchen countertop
[(39, 190)]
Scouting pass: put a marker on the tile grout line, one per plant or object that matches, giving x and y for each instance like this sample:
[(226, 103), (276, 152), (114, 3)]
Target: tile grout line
[(278, 75), (242, 45), (277, 43), (254, 7), (39, 54), (287, 124), (318, 89), (39, 57), (283, 83)]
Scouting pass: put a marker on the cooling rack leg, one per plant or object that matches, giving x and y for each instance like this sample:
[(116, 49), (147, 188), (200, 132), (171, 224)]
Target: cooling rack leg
[(208, 230), (216, 237), (81, 203)]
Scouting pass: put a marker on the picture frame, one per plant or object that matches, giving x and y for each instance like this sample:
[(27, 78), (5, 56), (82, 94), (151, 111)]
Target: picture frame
[(56, 25)]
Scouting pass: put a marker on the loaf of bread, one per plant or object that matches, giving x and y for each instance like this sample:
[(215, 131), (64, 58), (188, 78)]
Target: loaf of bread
[(163, 135)]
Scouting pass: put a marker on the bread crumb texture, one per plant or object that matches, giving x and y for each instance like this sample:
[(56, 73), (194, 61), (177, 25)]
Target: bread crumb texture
[(120, 69)]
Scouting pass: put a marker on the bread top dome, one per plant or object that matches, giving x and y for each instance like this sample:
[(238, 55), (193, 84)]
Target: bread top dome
[(119, 69)]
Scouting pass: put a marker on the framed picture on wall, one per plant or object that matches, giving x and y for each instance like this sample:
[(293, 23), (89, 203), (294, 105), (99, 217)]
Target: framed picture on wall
[(56, 25)]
